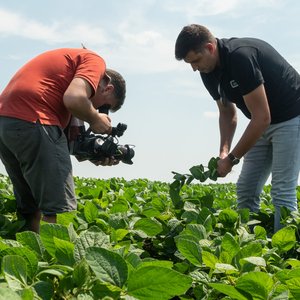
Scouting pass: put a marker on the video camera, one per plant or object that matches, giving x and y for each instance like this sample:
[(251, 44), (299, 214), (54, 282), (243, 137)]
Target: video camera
[(85, 145)]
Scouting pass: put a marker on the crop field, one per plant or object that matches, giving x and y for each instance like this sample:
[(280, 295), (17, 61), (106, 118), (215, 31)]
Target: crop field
[(151, 240)]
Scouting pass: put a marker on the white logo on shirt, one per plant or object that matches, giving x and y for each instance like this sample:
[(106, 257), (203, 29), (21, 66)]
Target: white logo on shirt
[(233, 84)]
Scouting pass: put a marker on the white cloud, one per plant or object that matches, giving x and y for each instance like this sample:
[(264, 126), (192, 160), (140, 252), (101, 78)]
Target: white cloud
[(57, 32), (14, 24), (145, 51), (127, 45), (201, 8), (132, 42)]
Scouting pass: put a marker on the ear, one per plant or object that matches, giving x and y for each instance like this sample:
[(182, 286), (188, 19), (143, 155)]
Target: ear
[(210, 47), (105, 86), (108, 89)]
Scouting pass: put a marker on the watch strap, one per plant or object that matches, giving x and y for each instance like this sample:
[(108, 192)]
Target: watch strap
[(234, 160)]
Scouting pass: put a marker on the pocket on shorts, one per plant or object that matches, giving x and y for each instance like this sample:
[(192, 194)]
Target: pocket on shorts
[(54, 133)]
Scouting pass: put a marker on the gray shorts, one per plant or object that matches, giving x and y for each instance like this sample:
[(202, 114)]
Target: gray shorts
[(37, 160)]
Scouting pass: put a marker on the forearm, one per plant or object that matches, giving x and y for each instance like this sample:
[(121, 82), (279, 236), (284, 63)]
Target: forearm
[(257, 104), (77, 100), (227, 129), (227, 126), (82, 108), (250, 136), (99, 122)]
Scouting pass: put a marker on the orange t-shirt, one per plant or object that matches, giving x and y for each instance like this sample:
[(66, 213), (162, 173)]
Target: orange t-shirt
[(36, 91)]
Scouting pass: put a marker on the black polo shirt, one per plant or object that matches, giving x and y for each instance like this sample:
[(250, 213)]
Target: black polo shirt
[(245, 63)]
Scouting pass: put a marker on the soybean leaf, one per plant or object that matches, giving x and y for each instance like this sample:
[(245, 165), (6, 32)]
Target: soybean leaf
[(88, 239), (207, 200), (257, 284), (281, 293), (230, 245), (213, 175), (90, 211), (228, 290), (15, 271), (119, 206), (27, 293), (31, 240), (150, 212), (7, 293), (206, 218), (295, 263), (260, 232), (108, 266), (213, 163), (174, 192), (179, 177), (212, 166), (251, 249), (197, 230), (257, 261), (190, 178), (104, 291), (294, 287), (198, 173), (285, 274), (190, 216), (228, 217), (189, 247), (44, 289), (9, 243), (158, 202), (117, 221), (52, 272), (118, 235), (157, 263), (30, 258), (133, 259), (225, 268), (49, 231), (66, 218), (159, 283), (64, 251), (151, 227), (81, 273), (284, 239), (209, 259)]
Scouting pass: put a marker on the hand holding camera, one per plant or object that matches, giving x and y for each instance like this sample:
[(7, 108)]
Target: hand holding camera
[(103, 126), (85, 145)]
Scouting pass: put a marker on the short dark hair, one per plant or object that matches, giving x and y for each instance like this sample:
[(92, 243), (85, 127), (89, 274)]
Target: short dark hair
[(119, 87), (192, 38)]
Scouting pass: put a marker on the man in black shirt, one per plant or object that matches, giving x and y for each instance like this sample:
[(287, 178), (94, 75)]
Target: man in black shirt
[(250, 74)]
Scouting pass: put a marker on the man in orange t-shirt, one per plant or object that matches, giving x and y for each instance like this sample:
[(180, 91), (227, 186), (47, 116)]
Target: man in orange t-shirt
[(35, 107)]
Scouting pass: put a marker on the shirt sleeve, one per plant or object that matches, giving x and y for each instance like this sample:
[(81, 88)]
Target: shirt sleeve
[(211, 84), (90, 67), (246, 69)]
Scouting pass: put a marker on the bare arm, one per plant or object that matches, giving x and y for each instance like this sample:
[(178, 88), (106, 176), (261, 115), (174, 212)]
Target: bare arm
[(227, 126), (77, 101), (257, 104)]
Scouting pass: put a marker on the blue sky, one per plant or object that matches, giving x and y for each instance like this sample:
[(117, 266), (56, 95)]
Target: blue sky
[(172, 121)]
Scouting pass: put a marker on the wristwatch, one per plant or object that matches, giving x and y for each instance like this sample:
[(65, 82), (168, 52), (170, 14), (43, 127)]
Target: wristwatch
[(234, 160)]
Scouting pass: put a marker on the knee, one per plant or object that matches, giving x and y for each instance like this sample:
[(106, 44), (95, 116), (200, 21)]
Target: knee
[(286, 199)]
